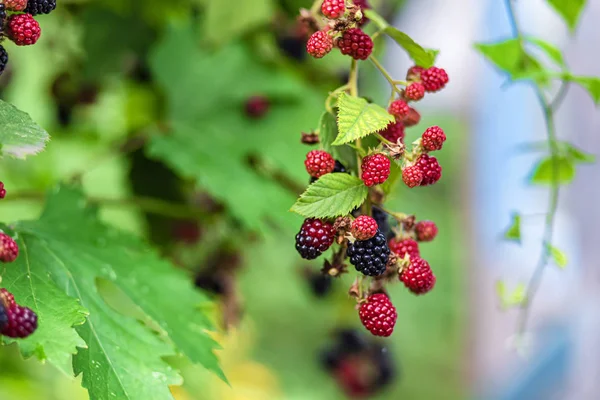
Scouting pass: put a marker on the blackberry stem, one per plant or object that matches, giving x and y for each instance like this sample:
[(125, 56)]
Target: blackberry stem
[(549, 108)]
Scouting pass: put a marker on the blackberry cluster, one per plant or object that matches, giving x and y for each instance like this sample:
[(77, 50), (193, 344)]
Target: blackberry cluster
[(15, 321), (370, 257), (35, 7), (361, 366), (315, 237)]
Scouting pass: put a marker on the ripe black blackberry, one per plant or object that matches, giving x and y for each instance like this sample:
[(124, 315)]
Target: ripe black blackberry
[(339, 167), (383, 222), (370, 257), (35, 7), (315, 237), (320, 284), (3, 316), (3, 59), (2, 17)]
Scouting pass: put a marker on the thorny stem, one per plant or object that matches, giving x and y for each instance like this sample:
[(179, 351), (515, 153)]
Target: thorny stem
[(549, 108)]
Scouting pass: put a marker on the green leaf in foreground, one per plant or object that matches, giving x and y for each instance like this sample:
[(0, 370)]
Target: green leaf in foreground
[(328, 131), (333, 195), (357, 118), (552, 51), (514, 298), (422, 57), (590, 83), (569, 10), (559, 257), (19, 135), (65, 253), (544, 173), (514, 230)]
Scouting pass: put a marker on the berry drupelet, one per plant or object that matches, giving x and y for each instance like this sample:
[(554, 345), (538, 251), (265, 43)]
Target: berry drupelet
[(356, 44), (35, 7), (315, 237), (378, 315), (418, 277), (375, 169), (370, 257), (319, 44)]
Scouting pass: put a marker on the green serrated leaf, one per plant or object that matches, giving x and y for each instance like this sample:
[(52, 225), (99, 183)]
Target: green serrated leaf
[(376, 18), (552, 51), (55, 340), (543, 173), (70, 249), (328, 131), (19, 135), (422, 57), (333, 195), (357, 118), (559, 257), (569, 10), (590, 83), (514, 230)]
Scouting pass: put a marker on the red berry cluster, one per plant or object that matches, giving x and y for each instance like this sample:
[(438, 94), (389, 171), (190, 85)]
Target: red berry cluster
[(342, 30), (15, 321), (363, 237), (17, 23)]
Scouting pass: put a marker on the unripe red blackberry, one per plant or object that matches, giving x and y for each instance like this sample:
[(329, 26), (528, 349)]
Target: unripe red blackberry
[(413, 118), (426, 231), (257, 106), (22, 322), (414, 73), (378, 315), (399, 108), (370, 256), (315, 237), (395, 131), (7, 298), (412, 176), (364, 227), (433, 138), (434, 79), (16, 5), (23, 29), (415, 91), (35, 7), (402, 247), (375, 169), (333, 8), (432, 171), (319, 44), (9, 250), (356, 44), (2, 190), (418, 277), (319, 163)]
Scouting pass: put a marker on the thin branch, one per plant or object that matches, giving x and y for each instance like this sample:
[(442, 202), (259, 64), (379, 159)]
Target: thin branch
[(549, 109)]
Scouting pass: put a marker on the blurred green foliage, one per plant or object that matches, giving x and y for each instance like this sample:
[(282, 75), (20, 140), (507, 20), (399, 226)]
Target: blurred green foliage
[(146, 98)]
